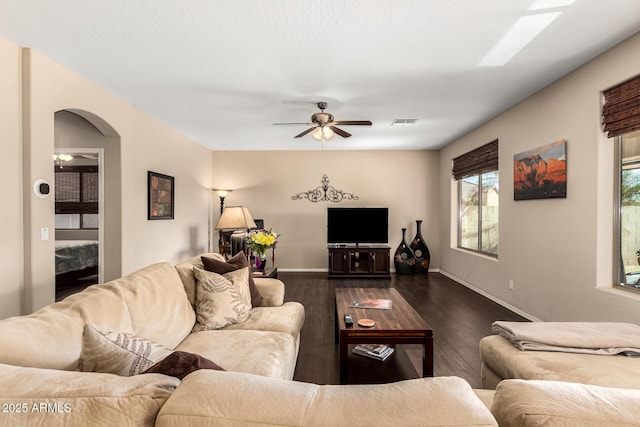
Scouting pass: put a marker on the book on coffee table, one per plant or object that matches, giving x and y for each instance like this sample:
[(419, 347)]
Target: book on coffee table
[(378, 303), (375, 351)]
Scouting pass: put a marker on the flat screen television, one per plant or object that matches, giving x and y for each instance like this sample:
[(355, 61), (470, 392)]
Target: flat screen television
[(357, 225)]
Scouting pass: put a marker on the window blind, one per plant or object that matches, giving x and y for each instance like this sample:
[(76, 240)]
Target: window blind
[(482, 159), (621, 109), (76, 190)]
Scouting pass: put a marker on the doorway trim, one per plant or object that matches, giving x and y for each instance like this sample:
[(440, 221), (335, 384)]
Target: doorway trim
[(100, 153)]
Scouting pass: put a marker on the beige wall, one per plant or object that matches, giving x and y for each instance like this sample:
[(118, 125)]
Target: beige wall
[(403, 181), (11, 267), (558, 252), (146, 144), (161, 149)]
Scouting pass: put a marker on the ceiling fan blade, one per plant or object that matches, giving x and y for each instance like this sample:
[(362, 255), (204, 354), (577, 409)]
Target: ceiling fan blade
[(308, 124), (340, 132), (305, 132), (294, 102), (354, 122)]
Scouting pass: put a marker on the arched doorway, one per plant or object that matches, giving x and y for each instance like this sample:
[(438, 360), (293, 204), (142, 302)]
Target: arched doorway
[(92, 142)]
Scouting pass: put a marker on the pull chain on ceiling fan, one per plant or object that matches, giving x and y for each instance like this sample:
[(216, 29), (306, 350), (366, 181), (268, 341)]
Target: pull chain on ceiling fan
[(323, 126)]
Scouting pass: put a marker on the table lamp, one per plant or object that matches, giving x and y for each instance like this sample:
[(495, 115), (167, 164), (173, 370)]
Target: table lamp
[(238, 219)]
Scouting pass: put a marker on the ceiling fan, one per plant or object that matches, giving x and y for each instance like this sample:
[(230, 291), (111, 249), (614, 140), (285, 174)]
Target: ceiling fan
[(323, 125)]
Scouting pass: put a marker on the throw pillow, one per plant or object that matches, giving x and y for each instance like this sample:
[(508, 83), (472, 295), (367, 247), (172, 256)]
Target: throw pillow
[(221, 299), (117, 352), (236, 262), (179, 364)]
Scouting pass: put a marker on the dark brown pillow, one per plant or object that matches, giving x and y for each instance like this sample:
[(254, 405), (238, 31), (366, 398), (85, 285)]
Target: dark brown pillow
[(236, 262), (179, 364)]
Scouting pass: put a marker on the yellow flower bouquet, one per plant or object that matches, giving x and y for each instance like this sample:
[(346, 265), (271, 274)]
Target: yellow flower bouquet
[(261, 240)]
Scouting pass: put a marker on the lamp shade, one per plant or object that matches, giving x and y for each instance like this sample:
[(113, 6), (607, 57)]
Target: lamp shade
[(235, 218)]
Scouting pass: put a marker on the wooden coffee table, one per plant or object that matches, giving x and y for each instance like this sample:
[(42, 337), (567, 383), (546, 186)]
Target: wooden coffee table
[(400, 325)]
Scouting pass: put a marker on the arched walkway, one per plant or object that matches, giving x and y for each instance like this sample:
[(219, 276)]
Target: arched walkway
[(88, 136)]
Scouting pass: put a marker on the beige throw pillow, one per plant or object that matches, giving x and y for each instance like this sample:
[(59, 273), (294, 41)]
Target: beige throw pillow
[(221, 300), (118, 353), (236, 262)]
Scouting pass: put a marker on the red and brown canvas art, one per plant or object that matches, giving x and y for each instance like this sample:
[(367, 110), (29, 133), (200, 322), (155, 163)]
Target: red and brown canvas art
[(541, 173)]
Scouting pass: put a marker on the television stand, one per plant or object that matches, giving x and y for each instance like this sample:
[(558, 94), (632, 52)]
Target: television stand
[(359, 261)]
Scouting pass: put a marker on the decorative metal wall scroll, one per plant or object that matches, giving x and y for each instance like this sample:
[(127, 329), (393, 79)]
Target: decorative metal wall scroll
[(325, 193)]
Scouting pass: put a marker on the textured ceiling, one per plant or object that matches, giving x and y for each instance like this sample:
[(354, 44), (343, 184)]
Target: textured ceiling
[(222, 72)]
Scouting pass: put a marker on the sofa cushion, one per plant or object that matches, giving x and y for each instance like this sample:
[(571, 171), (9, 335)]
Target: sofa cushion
[(58, 327), (269, 354), (233, 399), (179, 364), (118, 353), (185, 271), (221, 300), (236, 262), (486, 396), (271, 290), (524, 403), (150, 303), (289, 318), (78, 399), (506, 361), (157, 303)]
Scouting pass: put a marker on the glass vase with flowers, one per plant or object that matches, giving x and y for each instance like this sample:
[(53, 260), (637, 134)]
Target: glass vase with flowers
[(260, 241)]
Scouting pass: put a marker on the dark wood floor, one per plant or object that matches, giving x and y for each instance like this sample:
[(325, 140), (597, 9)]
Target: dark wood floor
[(459, 318), (74, 287)]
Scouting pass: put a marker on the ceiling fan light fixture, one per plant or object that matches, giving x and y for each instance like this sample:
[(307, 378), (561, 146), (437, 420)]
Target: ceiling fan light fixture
[(63, 157), (322, 133), (324, 127)]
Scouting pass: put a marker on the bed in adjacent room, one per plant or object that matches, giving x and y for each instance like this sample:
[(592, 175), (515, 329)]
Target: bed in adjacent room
[(75, 259)]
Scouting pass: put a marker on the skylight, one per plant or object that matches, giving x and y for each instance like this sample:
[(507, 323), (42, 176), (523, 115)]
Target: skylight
[(550, 4), (517, 37)]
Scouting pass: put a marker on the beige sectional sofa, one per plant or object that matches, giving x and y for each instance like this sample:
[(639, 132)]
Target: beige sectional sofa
[(501, 360), (553, 388), (40, 353), (40, 384)]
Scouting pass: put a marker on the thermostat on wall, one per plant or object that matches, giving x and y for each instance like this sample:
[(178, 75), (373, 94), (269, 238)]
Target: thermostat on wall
[(42, 188)]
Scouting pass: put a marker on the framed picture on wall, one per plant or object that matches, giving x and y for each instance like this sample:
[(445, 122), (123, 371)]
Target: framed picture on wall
[(541, 173), (160, 189)]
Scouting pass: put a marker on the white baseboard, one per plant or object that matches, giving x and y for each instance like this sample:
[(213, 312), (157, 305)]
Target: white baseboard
[(491, 297), (326, 270)]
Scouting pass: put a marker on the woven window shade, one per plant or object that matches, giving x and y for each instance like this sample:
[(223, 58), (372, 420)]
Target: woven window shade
[(621, 109), (76, 190), (67, 186), (482, 159), (90, 187)]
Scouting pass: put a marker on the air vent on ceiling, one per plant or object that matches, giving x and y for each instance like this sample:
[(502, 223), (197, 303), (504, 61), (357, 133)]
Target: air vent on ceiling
[(403, 122)]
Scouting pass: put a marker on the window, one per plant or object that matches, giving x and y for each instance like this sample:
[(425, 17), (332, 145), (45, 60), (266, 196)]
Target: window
[(478, 199), (621, 119), (629, 213), (76, 194)]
